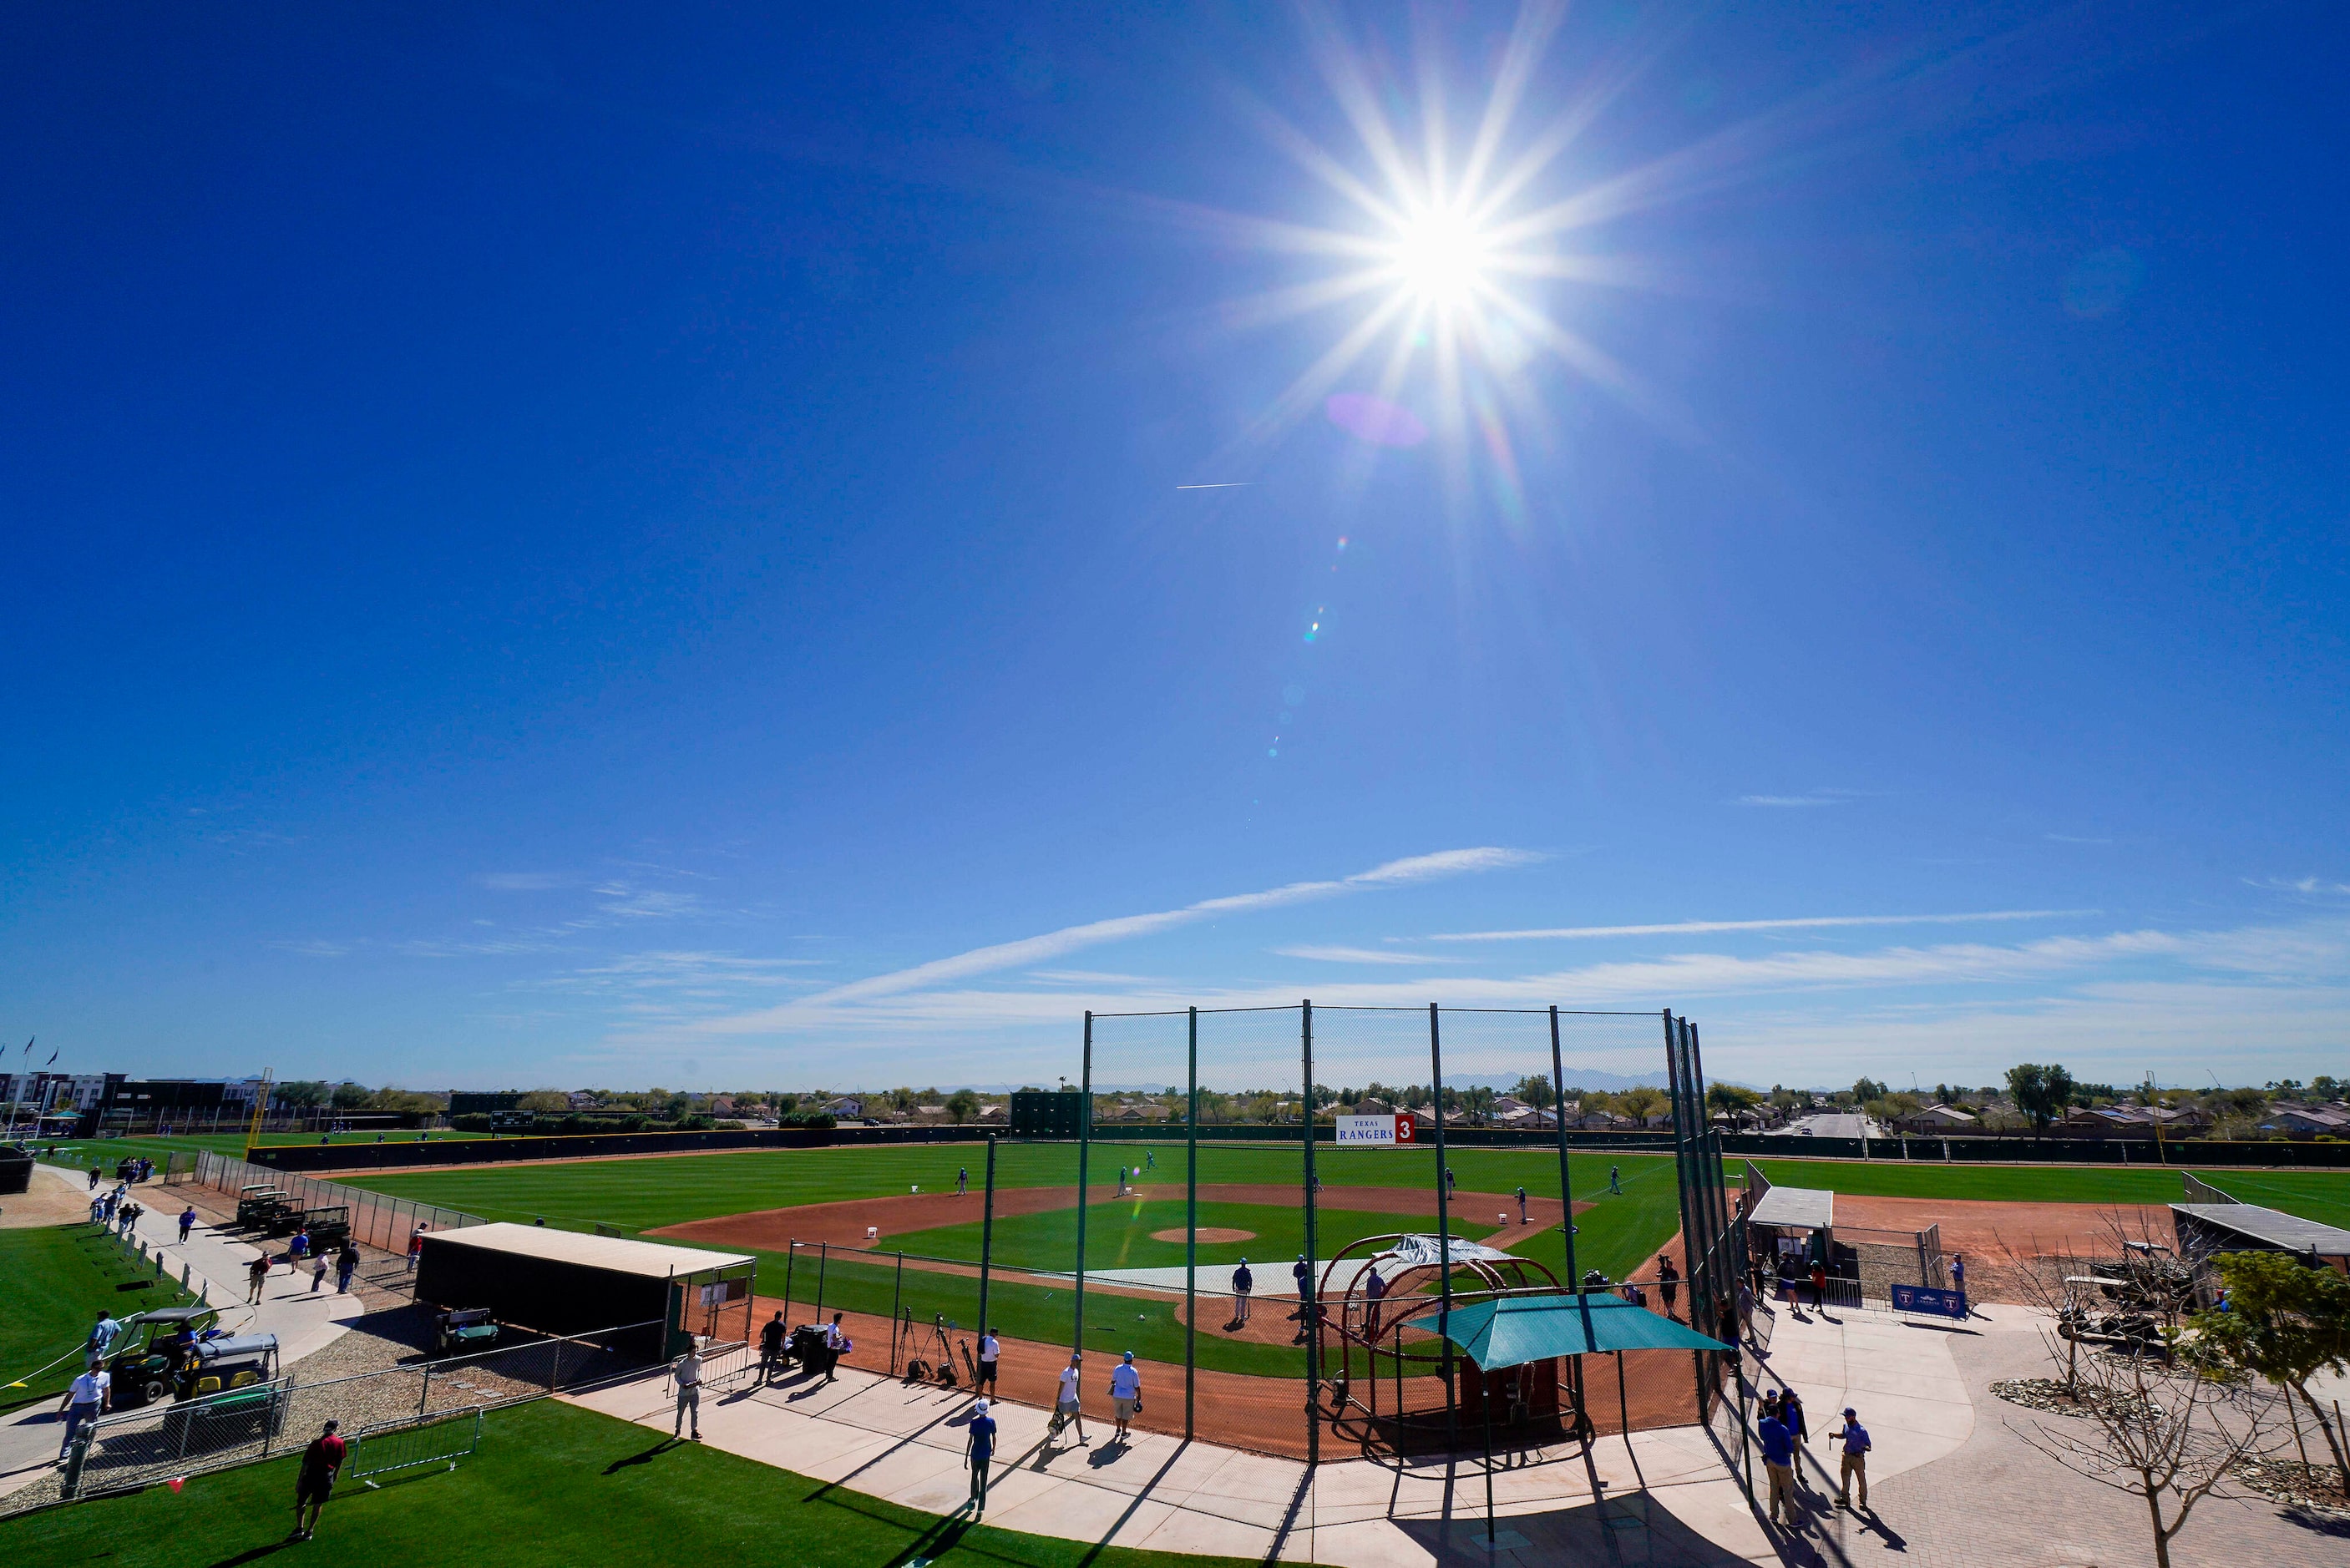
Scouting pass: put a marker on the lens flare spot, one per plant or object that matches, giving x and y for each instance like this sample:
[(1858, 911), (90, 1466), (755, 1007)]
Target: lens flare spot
[(1372, 418)]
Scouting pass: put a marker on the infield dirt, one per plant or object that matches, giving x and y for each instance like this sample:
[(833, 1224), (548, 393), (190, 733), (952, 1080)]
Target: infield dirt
[(845, 1223)]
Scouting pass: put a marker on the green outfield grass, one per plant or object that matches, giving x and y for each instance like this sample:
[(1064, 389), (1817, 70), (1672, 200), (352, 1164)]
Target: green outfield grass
[(638, 1195), (52, 1281), (2320, 1195), (80, 1153), (553, 1487)]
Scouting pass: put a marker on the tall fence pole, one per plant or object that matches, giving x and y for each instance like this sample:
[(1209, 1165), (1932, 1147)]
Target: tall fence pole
[(1565, 1180), (1443, 1241), (1085, 1149), (1308, 1315), (986, 1235), (1191, 1232)]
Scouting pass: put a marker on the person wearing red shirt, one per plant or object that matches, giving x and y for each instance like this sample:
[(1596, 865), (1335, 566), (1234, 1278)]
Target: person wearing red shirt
[(322, 1461)]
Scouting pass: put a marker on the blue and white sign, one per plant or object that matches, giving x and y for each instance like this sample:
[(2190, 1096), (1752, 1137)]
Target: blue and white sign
[(1929, 1301)]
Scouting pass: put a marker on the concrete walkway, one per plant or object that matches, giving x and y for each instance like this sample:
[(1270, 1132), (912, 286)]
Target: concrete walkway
[(1665, 1497), (215, 1264)]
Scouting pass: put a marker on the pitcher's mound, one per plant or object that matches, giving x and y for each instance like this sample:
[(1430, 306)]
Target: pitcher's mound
[(1207, 1233)]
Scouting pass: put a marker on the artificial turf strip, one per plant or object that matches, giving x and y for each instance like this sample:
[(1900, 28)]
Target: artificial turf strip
[(52, 1281), (553, 1487)]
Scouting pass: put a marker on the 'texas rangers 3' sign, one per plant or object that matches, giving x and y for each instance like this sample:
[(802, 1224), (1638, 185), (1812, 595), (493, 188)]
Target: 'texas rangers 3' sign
[(1380, 1132)]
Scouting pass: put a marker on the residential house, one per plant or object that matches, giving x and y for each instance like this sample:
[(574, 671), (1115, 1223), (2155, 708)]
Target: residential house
[(2307, 1121), (1939, 1118)]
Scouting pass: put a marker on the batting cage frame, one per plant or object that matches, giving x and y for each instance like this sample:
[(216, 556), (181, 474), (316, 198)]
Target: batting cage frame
[(1405, 1340)]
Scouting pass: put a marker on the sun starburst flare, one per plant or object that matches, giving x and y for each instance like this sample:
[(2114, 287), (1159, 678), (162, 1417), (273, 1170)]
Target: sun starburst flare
[(1447, 274)]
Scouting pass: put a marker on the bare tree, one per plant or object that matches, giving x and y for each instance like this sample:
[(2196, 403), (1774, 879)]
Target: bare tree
[(2131, 1416), (2160, 1433)]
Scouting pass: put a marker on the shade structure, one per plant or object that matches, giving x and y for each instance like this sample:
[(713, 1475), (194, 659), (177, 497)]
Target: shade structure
[(1513, 1329)]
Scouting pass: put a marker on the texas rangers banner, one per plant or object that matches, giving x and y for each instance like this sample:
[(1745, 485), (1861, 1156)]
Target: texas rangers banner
[(1931, 1301), (1379, 1132)]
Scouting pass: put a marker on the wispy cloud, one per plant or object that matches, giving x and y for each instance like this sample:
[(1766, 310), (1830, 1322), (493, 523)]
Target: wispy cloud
[(522, 881), (1803, 922), (313, 947), (1091, 977), (1813, 797), (656, 969), (1359, 955), (1043, 949), (2315, 885), (627, 902)]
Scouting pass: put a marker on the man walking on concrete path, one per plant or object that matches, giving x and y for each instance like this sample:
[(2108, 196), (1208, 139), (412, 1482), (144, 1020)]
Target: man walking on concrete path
[(1779, 1462), (85, 1402), (1066, 1408), (1855, 1441), (254, 1272), (1125, 1394), (686, 1373), (187, 1223), (982, 1450)]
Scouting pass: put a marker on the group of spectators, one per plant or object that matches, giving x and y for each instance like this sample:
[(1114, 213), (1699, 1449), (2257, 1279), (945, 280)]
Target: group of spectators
[(299, 1251)]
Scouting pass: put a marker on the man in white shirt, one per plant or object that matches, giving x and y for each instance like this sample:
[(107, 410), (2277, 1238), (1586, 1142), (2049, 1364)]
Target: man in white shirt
[(1066, 1407), (686, 1373), (835, 1343), (85, 1402), (1126, 1394), (990, 1348)]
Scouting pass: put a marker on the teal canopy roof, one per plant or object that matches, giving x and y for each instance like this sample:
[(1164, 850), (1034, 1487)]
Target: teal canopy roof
[(1513, 1329)]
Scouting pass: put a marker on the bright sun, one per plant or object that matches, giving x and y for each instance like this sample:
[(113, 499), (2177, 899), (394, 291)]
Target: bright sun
[(1442, 257)]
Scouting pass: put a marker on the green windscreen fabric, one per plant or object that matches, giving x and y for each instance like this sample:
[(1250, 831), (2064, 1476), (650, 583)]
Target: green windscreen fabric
[(1518, 1329)]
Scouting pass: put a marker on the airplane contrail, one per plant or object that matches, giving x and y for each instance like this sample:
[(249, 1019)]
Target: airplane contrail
[(1236, 485)]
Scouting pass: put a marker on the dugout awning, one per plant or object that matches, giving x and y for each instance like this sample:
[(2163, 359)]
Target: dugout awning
[(607, 1254), (2237, 1226), (1514, 1330), (1795, 1209)]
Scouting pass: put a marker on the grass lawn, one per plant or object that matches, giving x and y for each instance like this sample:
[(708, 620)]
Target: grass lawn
[(52, 1281), (2320, 1195), (552, 1486)]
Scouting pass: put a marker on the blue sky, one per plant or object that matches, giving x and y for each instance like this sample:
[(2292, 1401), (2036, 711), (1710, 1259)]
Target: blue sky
[(586, 546)]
